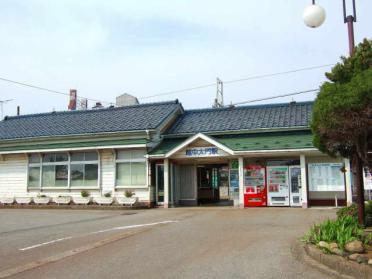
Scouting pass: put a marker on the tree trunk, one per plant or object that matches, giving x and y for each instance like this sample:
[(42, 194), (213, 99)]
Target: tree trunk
[(358, 175)]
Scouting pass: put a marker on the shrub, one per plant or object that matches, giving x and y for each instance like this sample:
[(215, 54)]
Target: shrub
[(107, 195), (128, 194), (85, 194), (351, 210), (342, 230)]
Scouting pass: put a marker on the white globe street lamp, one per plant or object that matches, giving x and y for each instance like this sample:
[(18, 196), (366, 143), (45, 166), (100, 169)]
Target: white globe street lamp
[(314, 16)]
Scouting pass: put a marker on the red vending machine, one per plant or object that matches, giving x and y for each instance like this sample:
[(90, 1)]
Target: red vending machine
[(255, 193)]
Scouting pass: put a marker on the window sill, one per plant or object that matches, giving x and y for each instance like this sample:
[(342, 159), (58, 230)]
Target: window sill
[(133, 186), (84, 188), (65, 188), (52, 188)]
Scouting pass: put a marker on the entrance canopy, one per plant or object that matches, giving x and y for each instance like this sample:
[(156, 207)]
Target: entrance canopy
[(201, 145)]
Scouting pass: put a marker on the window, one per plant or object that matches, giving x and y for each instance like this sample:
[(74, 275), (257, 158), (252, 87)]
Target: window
[(63, 170), (84, 169), (130, 168), (54, 170), (326, 177), (34, 168)]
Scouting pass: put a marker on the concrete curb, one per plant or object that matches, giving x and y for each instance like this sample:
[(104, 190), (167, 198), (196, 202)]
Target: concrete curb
[(332, 264)]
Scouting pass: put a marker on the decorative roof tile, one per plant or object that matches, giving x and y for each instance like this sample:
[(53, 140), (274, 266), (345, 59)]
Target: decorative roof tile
[(119, 119), (244, 118)]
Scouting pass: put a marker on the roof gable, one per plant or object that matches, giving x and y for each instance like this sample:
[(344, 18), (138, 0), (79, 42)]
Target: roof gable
[(122, 119), (245, 118), (196, 138)]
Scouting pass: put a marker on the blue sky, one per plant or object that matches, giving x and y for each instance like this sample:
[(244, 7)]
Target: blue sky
[(105, 48)]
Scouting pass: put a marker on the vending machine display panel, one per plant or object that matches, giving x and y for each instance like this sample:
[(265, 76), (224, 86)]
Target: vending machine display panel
[(254, 186), (278, 186)]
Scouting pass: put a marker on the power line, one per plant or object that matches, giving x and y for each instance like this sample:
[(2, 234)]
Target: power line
[(278, 74), (236, 80), (178, 91), (48, 90), (275, 97), (175, 91)]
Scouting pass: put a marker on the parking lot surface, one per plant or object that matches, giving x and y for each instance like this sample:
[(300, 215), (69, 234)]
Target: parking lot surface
[(213, 242)]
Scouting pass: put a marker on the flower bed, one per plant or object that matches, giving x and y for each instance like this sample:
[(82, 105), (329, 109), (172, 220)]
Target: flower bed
[(342, 236)]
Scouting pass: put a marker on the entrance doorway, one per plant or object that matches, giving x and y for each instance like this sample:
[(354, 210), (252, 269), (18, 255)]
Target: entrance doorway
[(213, 184)]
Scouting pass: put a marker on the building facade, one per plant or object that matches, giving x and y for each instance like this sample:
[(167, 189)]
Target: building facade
[(242, 156)]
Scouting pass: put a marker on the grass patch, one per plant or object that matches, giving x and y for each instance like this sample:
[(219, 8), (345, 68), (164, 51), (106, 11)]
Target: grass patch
[(342, 230)]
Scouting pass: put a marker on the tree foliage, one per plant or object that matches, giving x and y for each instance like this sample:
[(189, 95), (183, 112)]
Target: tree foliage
[(342, 113)]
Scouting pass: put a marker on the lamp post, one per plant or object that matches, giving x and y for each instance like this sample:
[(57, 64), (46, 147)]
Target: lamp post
[(314, 15)]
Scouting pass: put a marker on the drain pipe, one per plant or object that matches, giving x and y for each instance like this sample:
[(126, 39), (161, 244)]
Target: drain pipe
[(336, 201)]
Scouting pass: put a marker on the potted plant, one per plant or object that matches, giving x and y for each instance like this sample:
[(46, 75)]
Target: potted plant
[(106, 199), (41, 199), (23, 200), (128, 199), (62, 199), (83, 199), (6, 200)]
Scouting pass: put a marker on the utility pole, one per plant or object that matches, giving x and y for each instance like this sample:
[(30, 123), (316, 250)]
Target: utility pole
[(218, 101), (2, 102)]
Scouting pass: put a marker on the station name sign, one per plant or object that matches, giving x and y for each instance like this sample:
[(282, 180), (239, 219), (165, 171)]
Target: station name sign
[(202, 152)]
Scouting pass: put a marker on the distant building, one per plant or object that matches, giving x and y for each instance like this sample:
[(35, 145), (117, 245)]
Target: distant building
[(126, 100)]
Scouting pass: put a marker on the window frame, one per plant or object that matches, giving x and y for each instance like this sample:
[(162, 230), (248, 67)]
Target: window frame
[(90, 162), (130, 161), (68, 163), (55, 163)]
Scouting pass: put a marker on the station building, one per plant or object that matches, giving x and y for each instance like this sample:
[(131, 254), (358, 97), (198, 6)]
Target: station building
[(243, 156)]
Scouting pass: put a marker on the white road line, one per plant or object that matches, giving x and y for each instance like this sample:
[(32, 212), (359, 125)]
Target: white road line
[(132, 227), (96, 232), (45, 243)]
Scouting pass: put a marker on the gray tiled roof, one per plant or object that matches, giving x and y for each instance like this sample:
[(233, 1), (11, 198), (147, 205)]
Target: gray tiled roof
[(288, 115), (121, 119)]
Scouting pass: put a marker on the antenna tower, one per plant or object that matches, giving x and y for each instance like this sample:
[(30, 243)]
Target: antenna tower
[(218, 101)]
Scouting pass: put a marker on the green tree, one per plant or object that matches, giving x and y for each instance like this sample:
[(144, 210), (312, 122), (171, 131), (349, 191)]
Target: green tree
[(342, 114)]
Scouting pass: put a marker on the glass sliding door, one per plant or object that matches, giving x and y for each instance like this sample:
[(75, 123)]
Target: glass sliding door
[(159, 183)]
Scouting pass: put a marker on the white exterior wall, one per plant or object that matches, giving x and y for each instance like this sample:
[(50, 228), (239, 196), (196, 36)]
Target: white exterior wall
[(13, 179), (13, 175)]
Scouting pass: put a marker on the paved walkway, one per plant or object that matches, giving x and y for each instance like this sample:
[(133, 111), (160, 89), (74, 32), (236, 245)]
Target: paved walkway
[(203, 243)]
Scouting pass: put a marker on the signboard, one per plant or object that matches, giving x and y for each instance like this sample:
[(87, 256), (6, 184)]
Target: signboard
[(367, 179), (326, 177), (202, 152)]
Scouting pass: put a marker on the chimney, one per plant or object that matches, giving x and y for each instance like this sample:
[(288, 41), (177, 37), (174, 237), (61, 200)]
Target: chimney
[(18, 110), (73, 96)]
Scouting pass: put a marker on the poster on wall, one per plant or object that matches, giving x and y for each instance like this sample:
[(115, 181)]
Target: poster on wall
[(367, 179), (326, 177), (234, 178)]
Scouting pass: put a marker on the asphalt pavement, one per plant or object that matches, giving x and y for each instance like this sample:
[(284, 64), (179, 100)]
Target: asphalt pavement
[(213, 242)]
